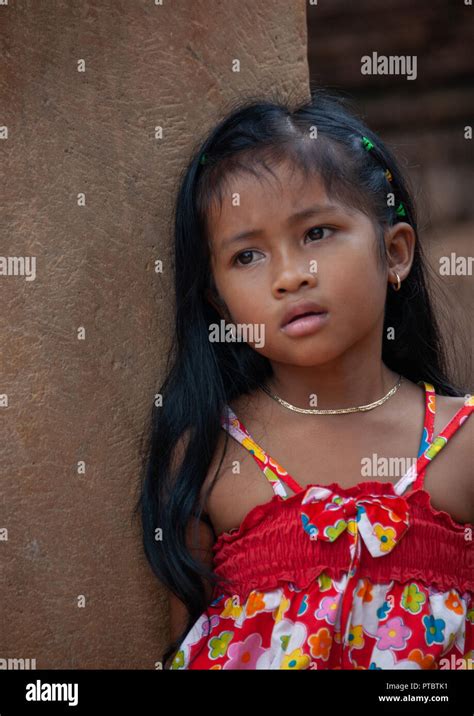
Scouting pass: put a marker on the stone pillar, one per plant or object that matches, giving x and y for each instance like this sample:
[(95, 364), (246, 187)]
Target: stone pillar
[(87, 197)]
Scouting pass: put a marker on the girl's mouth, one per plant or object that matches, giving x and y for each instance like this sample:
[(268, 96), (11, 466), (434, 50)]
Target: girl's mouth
[(305, 324)]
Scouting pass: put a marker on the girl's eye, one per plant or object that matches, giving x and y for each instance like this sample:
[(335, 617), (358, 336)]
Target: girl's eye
[(318, 228), (245, 257), (244, 253)]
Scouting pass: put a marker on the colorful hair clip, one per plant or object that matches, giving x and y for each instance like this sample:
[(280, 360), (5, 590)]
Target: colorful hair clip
[(366, 143)]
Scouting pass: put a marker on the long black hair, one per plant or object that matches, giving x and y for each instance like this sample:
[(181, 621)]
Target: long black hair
[(202, 376)]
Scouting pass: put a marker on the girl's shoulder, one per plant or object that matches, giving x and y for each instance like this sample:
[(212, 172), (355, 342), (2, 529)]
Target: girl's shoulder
[(238, 483), (450, 477), (447, 406)]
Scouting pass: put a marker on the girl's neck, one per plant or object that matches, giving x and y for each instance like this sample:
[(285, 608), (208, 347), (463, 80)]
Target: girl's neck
[(333, 386)]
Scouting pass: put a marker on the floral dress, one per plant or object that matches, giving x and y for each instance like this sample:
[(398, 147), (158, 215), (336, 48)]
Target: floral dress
[(365, 577)]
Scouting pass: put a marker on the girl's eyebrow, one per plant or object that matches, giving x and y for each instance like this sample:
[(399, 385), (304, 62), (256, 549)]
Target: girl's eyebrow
[(298, 216)]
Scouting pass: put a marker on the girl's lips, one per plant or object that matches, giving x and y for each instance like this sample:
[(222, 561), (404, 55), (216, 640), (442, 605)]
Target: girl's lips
[(306, 325)]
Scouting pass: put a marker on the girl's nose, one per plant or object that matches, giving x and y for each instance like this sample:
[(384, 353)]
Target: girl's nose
[(291, 278)]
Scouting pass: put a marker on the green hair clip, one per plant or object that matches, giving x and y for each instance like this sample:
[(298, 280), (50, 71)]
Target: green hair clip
[(203, 158), (368, 145)]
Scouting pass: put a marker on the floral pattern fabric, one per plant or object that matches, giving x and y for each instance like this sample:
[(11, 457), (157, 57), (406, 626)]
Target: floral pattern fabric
[(392, 626), (346, 623)]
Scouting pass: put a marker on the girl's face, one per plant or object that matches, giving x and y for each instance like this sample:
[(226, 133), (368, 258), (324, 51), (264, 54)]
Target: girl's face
[(328, 255)]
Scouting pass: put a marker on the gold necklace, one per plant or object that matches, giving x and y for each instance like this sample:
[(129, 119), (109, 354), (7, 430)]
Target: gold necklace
[(315, 411)]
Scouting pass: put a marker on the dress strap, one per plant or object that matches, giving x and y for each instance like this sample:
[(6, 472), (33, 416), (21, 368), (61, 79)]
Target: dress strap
[(416, 474), (430, 412), (427, 435), (275, 473)]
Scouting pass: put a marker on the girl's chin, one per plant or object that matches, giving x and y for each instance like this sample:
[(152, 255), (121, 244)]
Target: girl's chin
[(301, 358)]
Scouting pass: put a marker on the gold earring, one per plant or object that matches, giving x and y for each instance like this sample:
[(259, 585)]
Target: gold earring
[(399, 283)]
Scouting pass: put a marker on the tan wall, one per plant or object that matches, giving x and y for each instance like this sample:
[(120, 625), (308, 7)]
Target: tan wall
[(72, 400)]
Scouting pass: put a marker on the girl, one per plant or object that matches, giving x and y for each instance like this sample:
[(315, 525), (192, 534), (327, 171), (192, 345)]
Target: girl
[(298, 226)]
